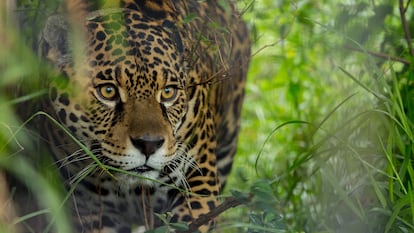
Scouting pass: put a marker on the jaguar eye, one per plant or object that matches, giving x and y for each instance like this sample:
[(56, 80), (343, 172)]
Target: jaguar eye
[(168, 94), (107, 91)]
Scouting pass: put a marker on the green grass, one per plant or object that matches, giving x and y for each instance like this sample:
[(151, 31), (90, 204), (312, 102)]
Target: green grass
[(332, 127), (327, 134)]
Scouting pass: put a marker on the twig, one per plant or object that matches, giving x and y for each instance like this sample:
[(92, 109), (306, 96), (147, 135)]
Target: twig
[(405, 27), (380, 55), (205, 218)]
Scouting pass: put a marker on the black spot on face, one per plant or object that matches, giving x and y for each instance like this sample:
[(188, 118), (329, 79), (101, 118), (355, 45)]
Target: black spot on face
[(99, 56), (92, 26), (98, 47), (100, 35), (64, 99), (195, 205), (62, 115), (140, 26), (84, 118), (73, 117), (211, 205), (151, 11), (186, 218), (101, 76), (141, 35), (150, 38), (72, 129), (158, 50), (204, 192), (98, 132)]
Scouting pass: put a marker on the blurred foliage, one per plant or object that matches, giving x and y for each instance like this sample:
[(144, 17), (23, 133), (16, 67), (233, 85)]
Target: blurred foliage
[(328, 115), (21, 75)]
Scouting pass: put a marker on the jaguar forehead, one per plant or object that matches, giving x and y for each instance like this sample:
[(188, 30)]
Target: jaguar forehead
[(137, 57)]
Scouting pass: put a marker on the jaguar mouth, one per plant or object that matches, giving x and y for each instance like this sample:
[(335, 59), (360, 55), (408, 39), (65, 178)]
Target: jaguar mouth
[(141, 169)]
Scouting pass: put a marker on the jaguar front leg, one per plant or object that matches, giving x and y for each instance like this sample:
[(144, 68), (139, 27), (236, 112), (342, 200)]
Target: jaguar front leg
[(201, 199)]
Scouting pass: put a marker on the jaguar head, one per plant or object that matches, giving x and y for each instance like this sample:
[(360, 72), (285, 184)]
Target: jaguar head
[(122, 92)]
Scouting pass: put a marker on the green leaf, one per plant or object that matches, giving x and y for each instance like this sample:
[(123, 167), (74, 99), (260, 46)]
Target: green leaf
[(179, 226), (262, 190), (190, 17), (240, 196)]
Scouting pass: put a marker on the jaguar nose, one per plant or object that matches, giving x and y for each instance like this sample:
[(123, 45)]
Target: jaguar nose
[(147, 144)]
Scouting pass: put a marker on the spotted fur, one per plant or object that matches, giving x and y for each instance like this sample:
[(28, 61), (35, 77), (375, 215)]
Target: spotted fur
[(152, 92)]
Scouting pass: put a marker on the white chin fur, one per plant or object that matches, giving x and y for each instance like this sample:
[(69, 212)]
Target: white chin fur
[(148, 179)]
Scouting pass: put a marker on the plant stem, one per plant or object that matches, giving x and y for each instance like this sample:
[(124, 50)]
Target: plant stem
[(203, 219), (405, 27), (379, 55)]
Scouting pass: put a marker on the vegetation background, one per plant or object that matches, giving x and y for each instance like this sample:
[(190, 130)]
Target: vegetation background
[(327, 138)]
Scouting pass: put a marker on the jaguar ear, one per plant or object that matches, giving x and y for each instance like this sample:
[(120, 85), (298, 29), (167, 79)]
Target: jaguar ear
[(54, 40), (64, 32)]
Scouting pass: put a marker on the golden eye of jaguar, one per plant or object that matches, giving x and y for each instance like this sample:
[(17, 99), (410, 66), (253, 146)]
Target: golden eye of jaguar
[(107, 91), (168, 94)]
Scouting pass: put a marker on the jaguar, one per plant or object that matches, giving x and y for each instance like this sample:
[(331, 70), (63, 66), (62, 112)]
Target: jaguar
[(147, 98)]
